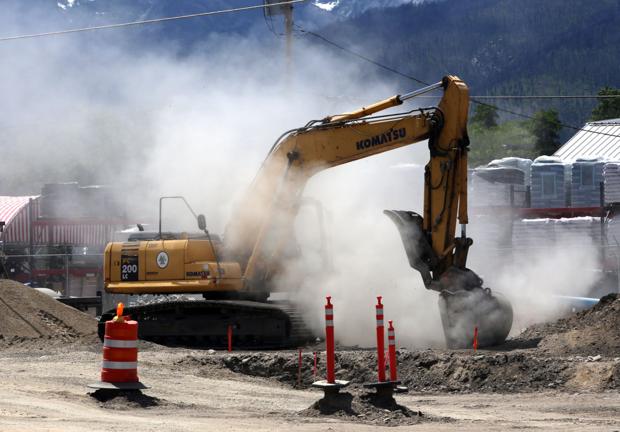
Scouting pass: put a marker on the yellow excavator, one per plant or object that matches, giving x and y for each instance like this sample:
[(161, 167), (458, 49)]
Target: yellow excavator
[(236, 275)]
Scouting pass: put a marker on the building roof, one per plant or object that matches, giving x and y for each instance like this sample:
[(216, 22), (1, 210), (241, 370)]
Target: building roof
[(11, 206), (600, 138), (14, 213)]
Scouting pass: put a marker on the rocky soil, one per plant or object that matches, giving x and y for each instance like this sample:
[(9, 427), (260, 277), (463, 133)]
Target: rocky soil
[(45, 343), (577, 353), (595, 331)]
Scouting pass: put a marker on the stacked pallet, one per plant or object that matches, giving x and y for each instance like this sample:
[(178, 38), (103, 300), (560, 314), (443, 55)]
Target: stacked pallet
[(492, 184), (550, 180), (613, 232), (586, 177), (611, 180), (578, 231), (534, 233)]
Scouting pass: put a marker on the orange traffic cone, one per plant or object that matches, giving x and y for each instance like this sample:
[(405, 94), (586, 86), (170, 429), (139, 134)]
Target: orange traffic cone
[(119, 369)]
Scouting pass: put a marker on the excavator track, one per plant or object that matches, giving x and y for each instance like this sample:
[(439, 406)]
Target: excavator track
[(204, 323)]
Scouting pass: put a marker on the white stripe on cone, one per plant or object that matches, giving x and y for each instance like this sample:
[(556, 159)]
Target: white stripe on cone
[(119, 365), (117, 343)]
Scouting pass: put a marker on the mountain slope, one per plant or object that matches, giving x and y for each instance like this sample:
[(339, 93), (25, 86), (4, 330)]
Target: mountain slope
[(498, 46)]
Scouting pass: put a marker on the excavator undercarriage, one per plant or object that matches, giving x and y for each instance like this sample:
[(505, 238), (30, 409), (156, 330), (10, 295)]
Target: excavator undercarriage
[(204, 323)]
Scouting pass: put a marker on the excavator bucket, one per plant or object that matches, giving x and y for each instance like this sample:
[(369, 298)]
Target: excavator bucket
[(463, 302), (463, 311)]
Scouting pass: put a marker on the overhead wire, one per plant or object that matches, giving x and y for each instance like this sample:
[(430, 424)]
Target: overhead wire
[(356, 54), (316, 35), (473, 99), (149, 21)]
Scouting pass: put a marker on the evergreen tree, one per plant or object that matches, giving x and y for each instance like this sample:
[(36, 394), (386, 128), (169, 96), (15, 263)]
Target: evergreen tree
[(545, 127), (485, 116), (607, 108)]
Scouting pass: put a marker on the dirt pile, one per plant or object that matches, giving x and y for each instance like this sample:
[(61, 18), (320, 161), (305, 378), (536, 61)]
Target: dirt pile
[(577, 353), (368, 409), (28, 315), (440, 371), (595, 331), (124, 400)]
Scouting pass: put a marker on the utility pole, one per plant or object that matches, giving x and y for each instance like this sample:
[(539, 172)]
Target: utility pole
[(288, 32), (287, 11)]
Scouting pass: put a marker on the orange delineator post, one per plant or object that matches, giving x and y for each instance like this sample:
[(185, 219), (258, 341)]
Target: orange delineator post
[(476, 338), (392, 352), (331, 386), (314, 369), (380, 341), (330, 346), (229, 334), (299, 369)]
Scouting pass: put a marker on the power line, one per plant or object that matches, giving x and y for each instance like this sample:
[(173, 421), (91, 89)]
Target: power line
[(548, 97), (525, 97), (473, 99), (150, 21), (529, 117), (356, 54)]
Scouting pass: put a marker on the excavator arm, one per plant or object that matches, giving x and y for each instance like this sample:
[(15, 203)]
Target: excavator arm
[(259, 231)]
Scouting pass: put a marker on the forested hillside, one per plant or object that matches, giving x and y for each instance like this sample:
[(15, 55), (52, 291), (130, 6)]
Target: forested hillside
[(499, 47)]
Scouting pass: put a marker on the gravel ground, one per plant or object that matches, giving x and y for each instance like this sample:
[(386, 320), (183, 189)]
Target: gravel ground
[(557, 376)]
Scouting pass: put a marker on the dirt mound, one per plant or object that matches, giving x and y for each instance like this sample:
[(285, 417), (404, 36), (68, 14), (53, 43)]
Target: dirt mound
[(368, 409), (595, 331), (577, 353), (435, 371), (26, 314), (124, 399), (518, 371)]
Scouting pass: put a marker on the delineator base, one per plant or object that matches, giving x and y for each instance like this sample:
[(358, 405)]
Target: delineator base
[(137, 385), (387, 388), (401, 389), (330, 388)]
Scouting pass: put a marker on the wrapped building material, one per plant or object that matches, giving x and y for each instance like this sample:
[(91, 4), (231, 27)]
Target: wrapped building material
[(532, 233), (611, 180), (586, 177), (613, 232), (502, 182), (574, 232), (578, 231), (551, 181)]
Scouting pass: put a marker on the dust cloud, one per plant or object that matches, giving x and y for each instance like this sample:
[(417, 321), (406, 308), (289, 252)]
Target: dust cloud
[(156, 123), (365, 253), (534, 279), (153, 122)]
